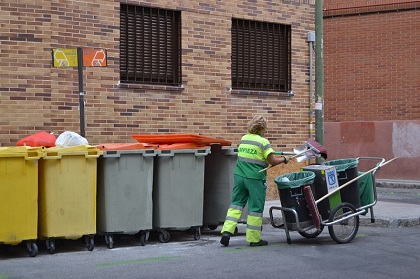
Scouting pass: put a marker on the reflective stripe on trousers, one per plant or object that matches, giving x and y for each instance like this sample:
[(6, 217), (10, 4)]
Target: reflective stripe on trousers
[(254, 227), (232, 218)]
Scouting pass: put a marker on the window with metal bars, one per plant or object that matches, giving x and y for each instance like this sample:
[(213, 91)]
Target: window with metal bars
[(150, 45), (261, 56)]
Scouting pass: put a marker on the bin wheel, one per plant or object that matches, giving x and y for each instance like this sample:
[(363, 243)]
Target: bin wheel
[(109, 240), (312, 233), (32, 248), (212, 227), (197, 233), (90, 242), (164, 236), (344, 231), (50, 243), (144, 237)]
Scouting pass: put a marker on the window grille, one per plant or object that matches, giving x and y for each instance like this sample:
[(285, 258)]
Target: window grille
[(261, 56), (150, 45)]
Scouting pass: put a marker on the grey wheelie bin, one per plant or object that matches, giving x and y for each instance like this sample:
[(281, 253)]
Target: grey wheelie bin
[(178, 189), (218, 185), (124, 194)]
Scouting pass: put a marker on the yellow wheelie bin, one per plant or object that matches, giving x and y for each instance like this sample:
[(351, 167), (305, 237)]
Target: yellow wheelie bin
[(19, 196), (67, 194)]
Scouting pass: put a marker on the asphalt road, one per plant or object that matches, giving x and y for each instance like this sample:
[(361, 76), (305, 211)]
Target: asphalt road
[(374, 253)]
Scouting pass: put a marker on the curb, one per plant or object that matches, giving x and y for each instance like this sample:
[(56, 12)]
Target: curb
[(404, 184), (366, 222), (390, 223)]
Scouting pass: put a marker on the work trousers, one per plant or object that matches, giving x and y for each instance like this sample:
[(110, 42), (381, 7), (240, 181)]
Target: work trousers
[(252, 191)]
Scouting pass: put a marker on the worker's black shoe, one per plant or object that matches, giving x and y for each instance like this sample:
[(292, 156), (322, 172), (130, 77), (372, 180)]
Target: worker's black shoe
[(259, 243), (225, 239)]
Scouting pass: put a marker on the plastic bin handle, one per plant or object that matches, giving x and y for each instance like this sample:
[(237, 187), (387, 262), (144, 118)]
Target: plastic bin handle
[(202, 152), (166, 152), (93, 153), (118, 153), (112, 153), (52, 155)]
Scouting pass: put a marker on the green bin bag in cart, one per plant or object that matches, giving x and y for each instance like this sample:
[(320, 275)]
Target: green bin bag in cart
[(290, 188), (295, 179), (366, 190)]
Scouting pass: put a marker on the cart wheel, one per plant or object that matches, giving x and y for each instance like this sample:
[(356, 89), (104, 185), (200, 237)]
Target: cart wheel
[(164, 236), (90, 242), (344, 231), (212, 227), (109, 240), (197, 233), (50, 243), (312, 233), (144, 237), (32, 248)]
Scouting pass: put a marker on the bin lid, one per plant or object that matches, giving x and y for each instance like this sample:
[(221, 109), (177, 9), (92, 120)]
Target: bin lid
[(343, 164), (27, 152), (89, 151), (125, 146), (180, 138), (295, 179)]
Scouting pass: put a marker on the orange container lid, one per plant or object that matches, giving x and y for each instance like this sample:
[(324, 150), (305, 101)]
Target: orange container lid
[(125, 146), (180, 138)]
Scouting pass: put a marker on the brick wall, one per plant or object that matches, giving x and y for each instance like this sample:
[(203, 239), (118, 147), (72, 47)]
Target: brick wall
[(35, 96), (372, 58), (372, 82)]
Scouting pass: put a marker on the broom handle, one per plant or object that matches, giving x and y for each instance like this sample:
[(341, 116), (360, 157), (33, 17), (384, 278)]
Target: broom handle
[(354, 179), (296, 155)]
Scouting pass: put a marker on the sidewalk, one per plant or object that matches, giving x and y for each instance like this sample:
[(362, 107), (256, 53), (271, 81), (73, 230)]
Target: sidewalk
[(393, 209)]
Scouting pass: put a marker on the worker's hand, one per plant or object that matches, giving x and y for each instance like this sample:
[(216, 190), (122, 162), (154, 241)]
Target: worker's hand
[(286, 159)]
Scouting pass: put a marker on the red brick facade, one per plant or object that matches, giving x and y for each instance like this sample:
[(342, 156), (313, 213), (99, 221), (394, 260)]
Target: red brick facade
[(372, 60), (35, 96), (372, 82)]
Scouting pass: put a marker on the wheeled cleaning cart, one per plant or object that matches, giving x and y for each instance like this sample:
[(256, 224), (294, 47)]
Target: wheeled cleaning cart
[(124, 198), (67, 194), (309, 217), (19, 196)]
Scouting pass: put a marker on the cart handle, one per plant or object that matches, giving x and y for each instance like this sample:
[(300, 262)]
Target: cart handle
[(354, 179)]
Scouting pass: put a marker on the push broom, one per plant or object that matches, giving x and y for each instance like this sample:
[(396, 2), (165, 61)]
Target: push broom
[(315, 148), (312, 204)]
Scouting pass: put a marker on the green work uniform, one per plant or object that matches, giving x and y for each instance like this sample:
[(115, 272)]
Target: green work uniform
[(249, 186)]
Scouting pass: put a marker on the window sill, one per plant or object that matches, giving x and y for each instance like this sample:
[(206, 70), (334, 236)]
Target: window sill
[(261, 93), (151, 87)]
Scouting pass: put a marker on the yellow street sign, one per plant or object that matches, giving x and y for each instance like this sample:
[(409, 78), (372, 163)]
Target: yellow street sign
[(64, 57)]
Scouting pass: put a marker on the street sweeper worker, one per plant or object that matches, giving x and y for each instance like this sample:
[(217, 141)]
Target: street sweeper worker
[(254, 154)]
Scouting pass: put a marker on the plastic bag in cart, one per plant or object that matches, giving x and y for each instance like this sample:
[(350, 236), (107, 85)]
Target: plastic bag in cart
[(69, 138)]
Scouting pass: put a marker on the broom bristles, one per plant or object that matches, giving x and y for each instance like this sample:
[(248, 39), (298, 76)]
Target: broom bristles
[(313, 209), (317, 147)]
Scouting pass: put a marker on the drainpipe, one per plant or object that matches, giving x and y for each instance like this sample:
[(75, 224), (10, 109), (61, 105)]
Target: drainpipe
[(311, 41), (319, 74)]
